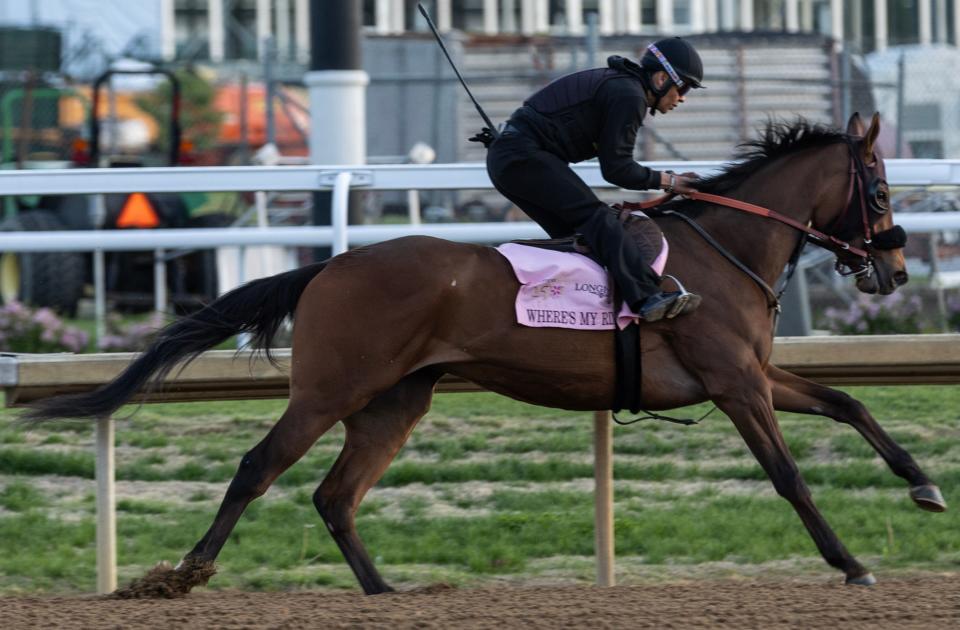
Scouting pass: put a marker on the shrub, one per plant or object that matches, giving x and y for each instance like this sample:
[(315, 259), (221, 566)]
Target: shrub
[(876, 315), (23, 329), (129, 337), (953, 312)]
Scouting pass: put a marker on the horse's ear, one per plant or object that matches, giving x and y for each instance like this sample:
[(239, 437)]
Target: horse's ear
[(871, 137), (855, 125)]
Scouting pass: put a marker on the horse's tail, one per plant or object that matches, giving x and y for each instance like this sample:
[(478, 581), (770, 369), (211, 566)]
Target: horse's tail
[(257, 308)]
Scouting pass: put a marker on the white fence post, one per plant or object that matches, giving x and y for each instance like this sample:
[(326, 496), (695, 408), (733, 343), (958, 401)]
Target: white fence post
[(159, 281), (339, 211), (100, 293), (603, 497), (106, 508)]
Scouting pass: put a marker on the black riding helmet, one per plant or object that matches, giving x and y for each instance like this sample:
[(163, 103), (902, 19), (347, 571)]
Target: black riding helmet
[(679, 59)]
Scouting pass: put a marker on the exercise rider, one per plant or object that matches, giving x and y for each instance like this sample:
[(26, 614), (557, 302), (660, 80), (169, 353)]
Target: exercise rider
[(597, 113)]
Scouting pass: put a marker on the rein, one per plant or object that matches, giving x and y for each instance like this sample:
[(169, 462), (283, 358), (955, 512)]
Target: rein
[(821, 239), (879, 202)]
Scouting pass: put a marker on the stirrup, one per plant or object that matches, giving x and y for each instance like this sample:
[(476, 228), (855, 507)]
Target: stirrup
[(685, 302)]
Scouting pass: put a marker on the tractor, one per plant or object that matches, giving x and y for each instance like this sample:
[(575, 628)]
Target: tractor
[(59, 279)]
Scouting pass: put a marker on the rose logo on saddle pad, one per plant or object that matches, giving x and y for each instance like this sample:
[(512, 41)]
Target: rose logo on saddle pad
[(566, 290)]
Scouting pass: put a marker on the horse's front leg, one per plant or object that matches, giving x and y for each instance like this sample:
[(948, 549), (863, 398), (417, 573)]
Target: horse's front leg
[(796, 394), (744, 396)]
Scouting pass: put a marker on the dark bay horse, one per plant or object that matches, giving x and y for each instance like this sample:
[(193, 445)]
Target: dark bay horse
[(376, 327)]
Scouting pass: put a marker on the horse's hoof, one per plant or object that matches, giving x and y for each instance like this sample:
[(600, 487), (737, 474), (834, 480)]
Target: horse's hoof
[(166, 582), (928, 498), (866, 579)]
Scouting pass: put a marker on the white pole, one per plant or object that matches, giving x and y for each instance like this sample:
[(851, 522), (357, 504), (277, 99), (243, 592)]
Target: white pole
[(941, 21), (168, 30), (603, 497), (260, 202), (216, 30), (634, 23), (106, 509), (836, 21), (664, 17), (880, 24), (491, 17), (605, 9), (793, 16), (444, 16), (302, 29), (339, 211), (746, 15), (382, 17), (413, 207), (338, 97), (574, 12), (264, 26), (159, 281), (698, 15), (283, 28), (923, 17), (100, 292)]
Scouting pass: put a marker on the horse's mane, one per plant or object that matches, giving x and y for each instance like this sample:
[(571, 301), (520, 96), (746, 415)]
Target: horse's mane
[(777, 139)]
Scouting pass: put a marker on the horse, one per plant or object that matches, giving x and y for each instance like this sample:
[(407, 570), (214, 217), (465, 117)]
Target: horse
[(376, 327)]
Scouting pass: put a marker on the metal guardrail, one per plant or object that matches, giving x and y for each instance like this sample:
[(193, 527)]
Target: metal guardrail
[(464, 176)]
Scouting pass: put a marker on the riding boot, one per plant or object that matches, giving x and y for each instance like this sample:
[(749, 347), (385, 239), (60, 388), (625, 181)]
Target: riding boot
[(637, 282)]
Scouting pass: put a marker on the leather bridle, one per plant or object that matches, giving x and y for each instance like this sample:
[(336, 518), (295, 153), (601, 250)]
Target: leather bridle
[(851, 260)]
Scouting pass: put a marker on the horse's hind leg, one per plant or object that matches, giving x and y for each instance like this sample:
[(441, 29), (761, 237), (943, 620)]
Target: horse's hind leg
[(745, 397), (792, 393), (374, 435), (303, 422)]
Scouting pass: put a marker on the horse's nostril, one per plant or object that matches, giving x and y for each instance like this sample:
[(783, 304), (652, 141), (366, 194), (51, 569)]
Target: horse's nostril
[(901, 277)]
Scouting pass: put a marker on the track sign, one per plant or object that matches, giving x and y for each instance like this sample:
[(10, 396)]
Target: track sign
[(138, 212)]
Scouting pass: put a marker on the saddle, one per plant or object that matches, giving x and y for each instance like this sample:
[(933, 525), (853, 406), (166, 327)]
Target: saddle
[(648, 237), (645, 232)]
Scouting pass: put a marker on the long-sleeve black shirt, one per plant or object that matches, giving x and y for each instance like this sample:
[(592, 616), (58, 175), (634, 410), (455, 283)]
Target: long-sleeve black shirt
[(594, 113)]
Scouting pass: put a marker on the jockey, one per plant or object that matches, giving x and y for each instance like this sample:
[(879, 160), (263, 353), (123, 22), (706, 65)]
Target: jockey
[(597, 113)]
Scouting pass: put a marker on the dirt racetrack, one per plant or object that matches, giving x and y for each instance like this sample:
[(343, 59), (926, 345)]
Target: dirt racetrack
[(927, 601)]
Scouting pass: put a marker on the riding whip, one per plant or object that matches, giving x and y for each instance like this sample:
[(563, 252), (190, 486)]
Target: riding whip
[(433, 29)]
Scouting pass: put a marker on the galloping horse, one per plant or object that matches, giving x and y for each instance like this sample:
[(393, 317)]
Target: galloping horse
[(376, 327)]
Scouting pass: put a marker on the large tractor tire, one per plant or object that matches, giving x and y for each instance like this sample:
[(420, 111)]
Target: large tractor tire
[(52, 279)]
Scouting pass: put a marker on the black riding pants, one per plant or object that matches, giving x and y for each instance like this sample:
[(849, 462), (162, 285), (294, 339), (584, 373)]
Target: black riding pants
[(547, 189)]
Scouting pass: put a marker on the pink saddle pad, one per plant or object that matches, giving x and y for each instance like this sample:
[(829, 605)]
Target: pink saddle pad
[(566, 290)]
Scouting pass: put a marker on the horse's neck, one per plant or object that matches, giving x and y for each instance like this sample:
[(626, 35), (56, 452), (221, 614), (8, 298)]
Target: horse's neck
[(788, 186)]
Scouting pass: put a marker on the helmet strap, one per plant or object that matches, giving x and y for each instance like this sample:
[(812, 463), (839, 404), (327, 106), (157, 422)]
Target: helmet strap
[(658, 92)]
